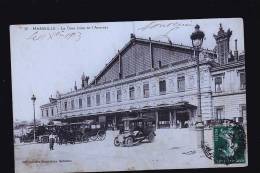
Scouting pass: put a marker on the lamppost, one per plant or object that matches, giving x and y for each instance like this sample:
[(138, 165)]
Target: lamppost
[(33, 99), (197, 39)]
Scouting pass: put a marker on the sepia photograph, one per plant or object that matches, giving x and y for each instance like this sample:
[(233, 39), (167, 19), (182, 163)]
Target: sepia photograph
[(129, 95)]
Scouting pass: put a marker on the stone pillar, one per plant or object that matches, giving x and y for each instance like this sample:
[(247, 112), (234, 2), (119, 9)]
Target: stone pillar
[(190, 117), (174, 119), (170, 118), (114, 122), (156, 119)]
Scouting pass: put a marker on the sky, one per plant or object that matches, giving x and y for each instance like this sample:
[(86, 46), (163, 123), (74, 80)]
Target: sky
[(46, 58)]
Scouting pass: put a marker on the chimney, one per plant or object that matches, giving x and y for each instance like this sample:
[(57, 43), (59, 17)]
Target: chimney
[(236, 52), (83, 81), (75, 86), (86, 81), (132, 36)]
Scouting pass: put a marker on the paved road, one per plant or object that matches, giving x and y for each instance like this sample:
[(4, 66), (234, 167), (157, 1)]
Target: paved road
[(171, 149)]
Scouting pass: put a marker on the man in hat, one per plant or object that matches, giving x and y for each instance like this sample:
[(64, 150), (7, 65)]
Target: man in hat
[(51, 140)]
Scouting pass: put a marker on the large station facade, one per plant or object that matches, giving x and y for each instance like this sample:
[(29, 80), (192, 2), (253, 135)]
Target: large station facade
[(159, 80)]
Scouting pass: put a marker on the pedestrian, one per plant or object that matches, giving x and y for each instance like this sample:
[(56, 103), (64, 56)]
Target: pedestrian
[(60, 137), (178, 123), (51, 141)]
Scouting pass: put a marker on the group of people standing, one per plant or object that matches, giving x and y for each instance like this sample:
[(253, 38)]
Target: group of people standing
[(61, 136)]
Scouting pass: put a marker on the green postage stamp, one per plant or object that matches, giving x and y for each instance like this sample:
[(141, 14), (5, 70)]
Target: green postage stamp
[(229, 144)]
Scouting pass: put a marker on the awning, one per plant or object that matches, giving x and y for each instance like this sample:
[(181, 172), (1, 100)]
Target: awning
[(147, 108), (178, 105)]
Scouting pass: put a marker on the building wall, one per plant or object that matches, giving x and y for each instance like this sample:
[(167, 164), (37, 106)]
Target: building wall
[(231, 104), (137, 60), (170, 75), (230, 78), (232, 96), (49, 108), (168, 55), (137, 69), (111, 74)]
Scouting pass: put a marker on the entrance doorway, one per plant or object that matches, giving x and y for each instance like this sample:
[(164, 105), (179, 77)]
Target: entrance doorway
[(182, 119), (163, 119)]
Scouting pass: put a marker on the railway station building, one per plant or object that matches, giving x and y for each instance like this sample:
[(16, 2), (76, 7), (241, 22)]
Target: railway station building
[(158, 79)]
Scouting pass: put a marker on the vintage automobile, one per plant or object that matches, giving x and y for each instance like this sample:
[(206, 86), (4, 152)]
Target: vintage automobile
[(81, 132), (92, 132), (29, 136), (134, 131), (43, 139)]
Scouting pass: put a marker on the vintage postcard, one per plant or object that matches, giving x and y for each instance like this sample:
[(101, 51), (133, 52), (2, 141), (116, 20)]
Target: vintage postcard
[(124, 96)]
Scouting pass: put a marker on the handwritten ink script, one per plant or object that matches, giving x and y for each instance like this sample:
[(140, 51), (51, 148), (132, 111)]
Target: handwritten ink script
[(169, 27), (37, 35), (68, 32)]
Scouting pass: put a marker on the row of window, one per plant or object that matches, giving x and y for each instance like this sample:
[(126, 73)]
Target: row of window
[(72, 104), (47, 112), (219, 112), (219, 82), (146, 93)]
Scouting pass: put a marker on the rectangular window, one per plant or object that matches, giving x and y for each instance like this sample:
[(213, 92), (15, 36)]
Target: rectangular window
[(107, 97), (88, 101), (162, 87), (243, 114), (160, 63), (146, 90), (242, 80), (119, 95), (243, 111), (219, 112), (132, 92), (42, 113), (218, 84), (72, 104), (98, 99), (181, 83), (52, 114), (65, 106), (47, 112), (80, 102)]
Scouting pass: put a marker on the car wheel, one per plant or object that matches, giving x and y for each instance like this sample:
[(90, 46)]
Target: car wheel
[(94, 137), (84, 138), (101, 135), (129, 141), (116, 142), (150, 137)]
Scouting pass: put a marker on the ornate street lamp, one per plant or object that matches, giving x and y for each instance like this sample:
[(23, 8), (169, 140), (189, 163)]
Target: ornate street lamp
[(197, 39), (33, 99)]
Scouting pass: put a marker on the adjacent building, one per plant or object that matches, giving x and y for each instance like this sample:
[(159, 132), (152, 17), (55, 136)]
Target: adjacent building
[(158, 79)]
